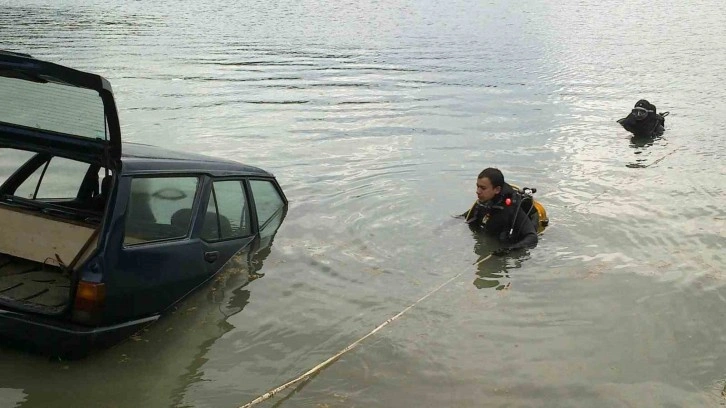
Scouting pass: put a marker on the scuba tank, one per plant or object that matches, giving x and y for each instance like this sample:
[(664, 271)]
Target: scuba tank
[(533, 208)]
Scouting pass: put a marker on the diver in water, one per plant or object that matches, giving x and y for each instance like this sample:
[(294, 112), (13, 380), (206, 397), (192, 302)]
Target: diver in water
[(506, 213), (644, 121)]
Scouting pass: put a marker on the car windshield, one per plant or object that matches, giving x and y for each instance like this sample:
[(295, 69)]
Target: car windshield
[(42, 104)]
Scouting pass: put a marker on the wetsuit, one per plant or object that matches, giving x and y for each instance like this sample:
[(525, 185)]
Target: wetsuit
[(496, 219), (647, 124)]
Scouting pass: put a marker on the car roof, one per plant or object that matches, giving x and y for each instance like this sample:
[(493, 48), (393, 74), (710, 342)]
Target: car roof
[(142, 158)]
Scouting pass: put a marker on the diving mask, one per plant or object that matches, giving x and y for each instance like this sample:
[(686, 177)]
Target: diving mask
[(640, 112)]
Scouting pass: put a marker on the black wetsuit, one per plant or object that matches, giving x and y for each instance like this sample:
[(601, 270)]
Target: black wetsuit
[(496, 218), (649, 126)]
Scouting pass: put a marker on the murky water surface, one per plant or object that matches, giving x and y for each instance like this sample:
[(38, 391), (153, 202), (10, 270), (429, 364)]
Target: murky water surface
[(376, 118)]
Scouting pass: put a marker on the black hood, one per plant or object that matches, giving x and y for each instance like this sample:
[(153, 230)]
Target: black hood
[(646, 105), (643, 120)]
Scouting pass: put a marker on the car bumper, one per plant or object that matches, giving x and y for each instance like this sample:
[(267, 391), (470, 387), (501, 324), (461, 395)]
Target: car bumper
[(56, 337)]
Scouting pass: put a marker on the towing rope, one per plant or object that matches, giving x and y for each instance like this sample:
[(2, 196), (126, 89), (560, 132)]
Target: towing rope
[(324, 364), (664, 156)]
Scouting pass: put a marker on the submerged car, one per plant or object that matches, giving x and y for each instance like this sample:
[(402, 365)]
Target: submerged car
[(99, 238)]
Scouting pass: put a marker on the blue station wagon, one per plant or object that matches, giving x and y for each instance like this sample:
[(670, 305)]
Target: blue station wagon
[(98, 238)]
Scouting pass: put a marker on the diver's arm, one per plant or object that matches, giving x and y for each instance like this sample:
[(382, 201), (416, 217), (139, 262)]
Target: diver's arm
[(629, 124), (524, 232)]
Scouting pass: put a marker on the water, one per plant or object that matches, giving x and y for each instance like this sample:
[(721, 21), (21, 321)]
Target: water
[(376, 118)]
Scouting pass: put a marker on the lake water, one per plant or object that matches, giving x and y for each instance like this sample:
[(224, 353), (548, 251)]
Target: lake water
[(376, 118)]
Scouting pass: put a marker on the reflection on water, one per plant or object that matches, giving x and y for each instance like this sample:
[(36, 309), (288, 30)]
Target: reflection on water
[(489, 276), (641, 145), (494, 272), (229, 294), (642, 142)]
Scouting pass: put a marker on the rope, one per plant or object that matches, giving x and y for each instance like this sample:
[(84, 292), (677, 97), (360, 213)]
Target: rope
[(483, 259), (666, 155), (321, 366)]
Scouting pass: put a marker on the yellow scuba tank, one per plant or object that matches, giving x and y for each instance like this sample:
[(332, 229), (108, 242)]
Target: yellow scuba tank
[(542, 221), (536, 211)]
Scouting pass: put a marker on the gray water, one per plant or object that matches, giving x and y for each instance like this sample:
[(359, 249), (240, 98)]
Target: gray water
[(376, 117)]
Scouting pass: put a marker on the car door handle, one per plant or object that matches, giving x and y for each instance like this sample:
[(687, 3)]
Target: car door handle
[(211, 256)]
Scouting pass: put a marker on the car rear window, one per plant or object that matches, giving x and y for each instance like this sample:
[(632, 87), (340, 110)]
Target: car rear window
[(52, 106)]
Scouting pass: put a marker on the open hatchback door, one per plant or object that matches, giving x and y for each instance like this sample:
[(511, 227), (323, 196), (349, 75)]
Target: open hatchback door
[(59, 137), (65, 112)]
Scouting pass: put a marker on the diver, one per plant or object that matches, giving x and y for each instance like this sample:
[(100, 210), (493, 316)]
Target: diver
[(644, 121), (505, 212)]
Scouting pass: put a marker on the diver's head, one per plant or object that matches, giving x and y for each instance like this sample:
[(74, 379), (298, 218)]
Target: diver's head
[(489, 184), (642, 110)]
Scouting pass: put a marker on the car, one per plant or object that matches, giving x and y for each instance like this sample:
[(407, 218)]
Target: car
[(99, 238)]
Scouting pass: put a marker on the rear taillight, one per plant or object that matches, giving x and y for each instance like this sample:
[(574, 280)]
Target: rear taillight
[(90, 297)]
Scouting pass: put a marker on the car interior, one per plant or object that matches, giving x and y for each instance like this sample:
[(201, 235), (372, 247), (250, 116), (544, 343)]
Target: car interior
[(50, 235)]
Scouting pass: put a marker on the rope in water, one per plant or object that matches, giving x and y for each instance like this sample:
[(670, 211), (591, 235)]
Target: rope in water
[(321, 366), (664, 156)]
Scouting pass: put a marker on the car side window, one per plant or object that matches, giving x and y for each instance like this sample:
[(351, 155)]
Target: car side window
[(11, 160), (60, 178), (227, 215), (267, 200), (159, 208)]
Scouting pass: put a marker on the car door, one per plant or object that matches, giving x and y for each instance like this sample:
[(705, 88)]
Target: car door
[(227, 224), (270, 207), (159, 261)]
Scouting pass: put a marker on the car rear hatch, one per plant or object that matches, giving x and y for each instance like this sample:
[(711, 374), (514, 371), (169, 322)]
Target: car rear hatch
[(49, 107)]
